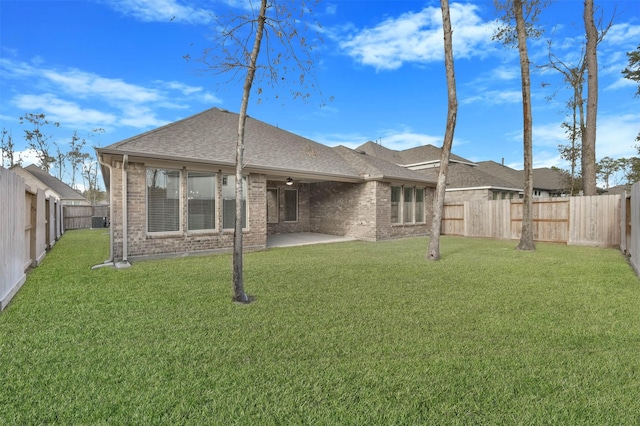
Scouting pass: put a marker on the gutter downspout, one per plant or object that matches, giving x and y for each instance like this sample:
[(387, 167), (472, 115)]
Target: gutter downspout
[(125, 165), (108, 262)]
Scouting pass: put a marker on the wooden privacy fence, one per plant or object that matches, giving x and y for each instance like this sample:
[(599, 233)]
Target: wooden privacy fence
[(594, 220), (30, 223), (78, 217), (632, 227)]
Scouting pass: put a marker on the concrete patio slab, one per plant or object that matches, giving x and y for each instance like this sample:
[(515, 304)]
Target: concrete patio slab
[(303, 238)]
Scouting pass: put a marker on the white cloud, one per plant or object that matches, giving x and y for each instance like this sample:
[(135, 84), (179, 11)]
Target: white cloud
[(88, 84), (162, 11), (398, 139), (84, 100), (417, 37), (622, 34), (494, 97), (58, 110)]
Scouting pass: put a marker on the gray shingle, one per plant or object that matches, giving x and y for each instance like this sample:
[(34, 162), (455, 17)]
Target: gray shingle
[(62, 189)]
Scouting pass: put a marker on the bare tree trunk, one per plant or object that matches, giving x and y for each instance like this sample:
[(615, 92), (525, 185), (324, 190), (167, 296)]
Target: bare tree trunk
[(452, 112), (239, 294), (526, 237), (589, 137)]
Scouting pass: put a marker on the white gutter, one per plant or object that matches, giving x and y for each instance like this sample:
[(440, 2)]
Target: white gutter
[(125, 165), (108, 262)]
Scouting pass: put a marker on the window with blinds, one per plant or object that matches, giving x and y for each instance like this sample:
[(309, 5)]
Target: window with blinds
[(163, 200), (396, 195), (272, 205), (290, 205), (229, 201), (201, 201), (420, 212)]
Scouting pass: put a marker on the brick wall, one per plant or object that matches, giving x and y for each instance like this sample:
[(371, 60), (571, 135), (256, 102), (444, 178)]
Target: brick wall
[(468, 195), (361, 211), (142, 244), (344, 209), (302, 224)]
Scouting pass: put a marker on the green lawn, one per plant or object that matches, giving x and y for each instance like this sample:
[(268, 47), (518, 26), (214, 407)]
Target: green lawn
[(349, 333)]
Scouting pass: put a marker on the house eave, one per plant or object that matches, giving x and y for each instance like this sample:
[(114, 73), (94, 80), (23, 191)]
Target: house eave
[(398, 179), (110, 155), (473, 188)]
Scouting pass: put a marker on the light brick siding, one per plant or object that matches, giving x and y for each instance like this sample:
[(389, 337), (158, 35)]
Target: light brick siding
[(359, 210), (468, 195), (346, 209), (142, 244), (396, 231), (302, 224)]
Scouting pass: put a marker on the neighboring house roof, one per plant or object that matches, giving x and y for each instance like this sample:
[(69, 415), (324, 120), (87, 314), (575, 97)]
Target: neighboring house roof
[(412, 156), (373, 168), (428, 154), (507, 174), (376, 150), (549, 180), (210, 137), (460, 175), (619, 189), (38, 178)]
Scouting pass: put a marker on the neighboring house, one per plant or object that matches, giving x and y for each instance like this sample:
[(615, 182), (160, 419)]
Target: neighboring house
[(547, 182), (465, 181), (172, 189), (37, 178), (619, 189)]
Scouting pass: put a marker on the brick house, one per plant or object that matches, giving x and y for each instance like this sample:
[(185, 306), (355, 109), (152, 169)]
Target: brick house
[(172, 189), (467, 180)]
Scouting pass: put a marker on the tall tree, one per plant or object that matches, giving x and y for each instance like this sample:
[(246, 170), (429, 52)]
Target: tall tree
[(589, 137), (525, 14), (572, 151), (632, 72), (8, 149), (630, 168), (281, 26), (452, 112), (573, 76), (60, 159), (606, 168), (37, 140), (76, 156)]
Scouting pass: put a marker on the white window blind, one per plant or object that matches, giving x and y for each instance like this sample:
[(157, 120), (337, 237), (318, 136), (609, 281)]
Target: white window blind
[(163, 200)]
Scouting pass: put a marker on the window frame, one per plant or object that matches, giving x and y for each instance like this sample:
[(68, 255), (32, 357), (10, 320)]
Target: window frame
[(245, 194), (179, 207), (398, 206), (286, 207), (423, 218), (276, 205), (214, 212), (401, 206)]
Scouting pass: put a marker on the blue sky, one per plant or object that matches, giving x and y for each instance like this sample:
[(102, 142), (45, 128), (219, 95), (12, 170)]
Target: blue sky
[(118, 65)]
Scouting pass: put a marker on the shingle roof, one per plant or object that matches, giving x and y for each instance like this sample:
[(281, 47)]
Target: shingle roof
[(424, 153), (549, 179), (419, 154), (503, 172), (62, 189), (210, 137), (461, 175), (374, 168), (619, 189), (376, 150)]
